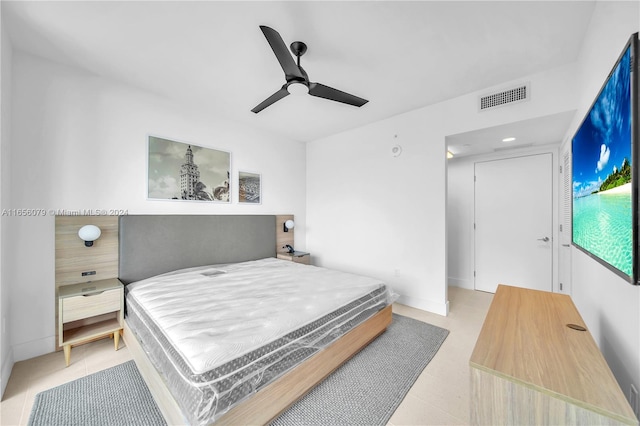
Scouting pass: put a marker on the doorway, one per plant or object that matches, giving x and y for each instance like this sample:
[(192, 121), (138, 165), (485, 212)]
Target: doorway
[(513, 221)]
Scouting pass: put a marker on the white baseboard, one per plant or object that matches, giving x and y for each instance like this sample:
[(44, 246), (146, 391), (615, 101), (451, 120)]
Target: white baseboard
[(7, 366), (461, 282), (425, 304), (34, 348)]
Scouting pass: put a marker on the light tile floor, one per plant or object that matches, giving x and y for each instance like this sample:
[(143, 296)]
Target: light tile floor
[(440, 396)]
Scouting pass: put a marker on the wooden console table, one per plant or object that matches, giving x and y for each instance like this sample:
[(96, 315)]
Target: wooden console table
[(529, 368)]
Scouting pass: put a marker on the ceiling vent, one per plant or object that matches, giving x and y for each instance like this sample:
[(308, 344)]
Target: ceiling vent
[(505, 97)]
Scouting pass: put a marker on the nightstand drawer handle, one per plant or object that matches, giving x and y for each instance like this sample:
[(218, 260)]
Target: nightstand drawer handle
[(92, 294)]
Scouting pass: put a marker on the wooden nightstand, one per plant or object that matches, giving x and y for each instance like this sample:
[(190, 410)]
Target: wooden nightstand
[(89, 311), (296, 256)]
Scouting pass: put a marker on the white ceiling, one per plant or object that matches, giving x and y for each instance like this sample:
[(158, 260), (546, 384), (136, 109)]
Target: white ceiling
[(538, 131), (399, 55)]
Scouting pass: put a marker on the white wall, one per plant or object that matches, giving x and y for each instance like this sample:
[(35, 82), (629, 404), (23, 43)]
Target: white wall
[(385, 216), (609, 305), (460, 219), (6, 355), (375, 214), (80, 142)]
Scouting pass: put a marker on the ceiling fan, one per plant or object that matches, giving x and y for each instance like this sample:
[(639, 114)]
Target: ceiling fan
[(296, 77)]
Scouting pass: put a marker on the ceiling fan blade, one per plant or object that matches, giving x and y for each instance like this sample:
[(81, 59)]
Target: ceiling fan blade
[(282, 53), (322, 91), (271, 99)]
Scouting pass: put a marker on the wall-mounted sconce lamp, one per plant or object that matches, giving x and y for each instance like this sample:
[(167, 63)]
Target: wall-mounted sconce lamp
[(89, 233), (289, 224)]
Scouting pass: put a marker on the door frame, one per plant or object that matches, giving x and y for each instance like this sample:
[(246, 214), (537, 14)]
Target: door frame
[(555, 215), (565, 224)]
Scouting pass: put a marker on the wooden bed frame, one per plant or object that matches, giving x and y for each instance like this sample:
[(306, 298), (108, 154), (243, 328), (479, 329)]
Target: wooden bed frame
[(277, 396), (125, 244)]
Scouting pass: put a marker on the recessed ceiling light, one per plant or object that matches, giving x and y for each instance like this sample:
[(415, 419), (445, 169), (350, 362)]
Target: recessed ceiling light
[(508, 139)]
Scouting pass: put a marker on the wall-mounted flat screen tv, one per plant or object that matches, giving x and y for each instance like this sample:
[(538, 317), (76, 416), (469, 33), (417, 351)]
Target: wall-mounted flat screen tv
[(604, 174)]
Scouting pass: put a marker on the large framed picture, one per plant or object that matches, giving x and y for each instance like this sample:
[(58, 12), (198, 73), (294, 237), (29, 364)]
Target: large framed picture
[(182, 171), (604, 171), (249, 188)]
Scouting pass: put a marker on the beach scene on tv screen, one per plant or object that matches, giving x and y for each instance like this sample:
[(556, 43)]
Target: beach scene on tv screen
[(601, 151)]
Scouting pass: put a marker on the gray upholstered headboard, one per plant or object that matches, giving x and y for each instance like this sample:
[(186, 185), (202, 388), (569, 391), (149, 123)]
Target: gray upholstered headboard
[(155, 244)]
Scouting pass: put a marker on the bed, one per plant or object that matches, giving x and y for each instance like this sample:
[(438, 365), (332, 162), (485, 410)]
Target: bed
[(257, 337)]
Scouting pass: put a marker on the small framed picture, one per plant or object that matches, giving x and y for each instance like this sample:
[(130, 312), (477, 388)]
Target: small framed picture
[(249, 188)]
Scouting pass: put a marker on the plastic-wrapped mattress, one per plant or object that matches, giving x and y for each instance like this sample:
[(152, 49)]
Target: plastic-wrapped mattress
[(220, 333)]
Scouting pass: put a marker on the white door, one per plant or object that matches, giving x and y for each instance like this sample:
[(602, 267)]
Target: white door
[(513, 223)]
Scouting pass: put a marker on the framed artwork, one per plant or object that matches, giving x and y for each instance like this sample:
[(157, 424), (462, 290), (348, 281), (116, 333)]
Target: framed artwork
[(182, 171), (249, 188)]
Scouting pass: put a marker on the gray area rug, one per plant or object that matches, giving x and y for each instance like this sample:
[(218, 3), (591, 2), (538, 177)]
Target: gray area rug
[(364, 391), (115, 396), (368, 388)]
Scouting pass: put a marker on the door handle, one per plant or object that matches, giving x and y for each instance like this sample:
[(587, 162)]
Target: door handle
[(545, 239), (566, 245)]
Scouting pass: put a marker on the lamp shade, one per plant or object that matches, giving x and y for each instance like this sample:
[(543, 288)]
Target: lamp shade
[(89, 233), (289, 224)]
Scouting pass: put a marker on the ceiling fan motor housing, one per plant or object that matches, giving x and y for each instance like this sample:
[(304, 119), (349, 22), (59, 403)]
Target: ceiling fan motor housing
[(298, 48)]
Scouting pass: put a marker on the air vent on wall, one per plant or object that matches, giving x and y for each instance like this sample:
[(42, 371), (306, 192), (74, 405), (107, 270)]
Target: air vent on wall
[(504, 97)]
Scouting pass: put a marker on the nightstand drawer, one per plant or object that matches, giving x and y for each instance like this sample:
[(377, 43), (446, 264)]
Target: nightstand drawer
[(305, 260), (79, 307), (296, 257)]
